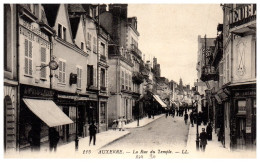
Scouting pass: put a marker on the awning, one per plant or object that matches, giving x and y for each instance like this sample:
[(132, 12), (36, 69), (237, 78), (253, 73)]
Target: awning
[(48, 112), (158, 99)]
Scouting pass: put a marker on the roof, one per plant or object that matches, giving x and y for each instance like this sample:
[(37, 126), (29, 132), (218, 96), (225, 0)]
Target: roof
[(74, 23), (51, 11), (76, 8)]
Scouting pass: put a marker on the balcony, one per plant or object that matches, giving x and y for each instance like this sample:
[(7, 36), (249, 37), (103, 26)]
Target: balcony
[(218, 52), (208, 73), (138, 78), (243, 19), (136, 51)]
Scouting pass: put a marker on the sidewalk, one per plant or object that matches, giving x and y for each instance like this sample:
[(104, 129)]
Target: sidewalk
[(84, 150), (214, 148), (142, 122)]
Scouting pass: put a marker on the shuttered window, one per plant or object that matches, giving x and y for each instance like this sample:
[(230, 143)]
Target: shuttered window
[(28, 57), (79, 73), (89, 41), (43, 62), (122, 80), (62, 72), (94, 44)]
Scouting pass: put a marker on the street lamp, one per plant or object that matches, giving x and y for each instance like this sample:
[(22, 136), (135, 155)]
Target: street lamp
[(197, 97)]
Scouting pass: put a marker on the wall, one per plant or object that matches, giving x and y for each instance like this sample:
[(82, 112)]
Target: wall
[(243, 59)]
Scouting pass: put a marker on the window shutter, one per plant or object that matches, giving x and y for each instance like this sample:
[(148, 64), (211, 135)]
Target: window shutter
[(80, 72), (43, 61), (30, 66), (60, 71), (30, 49), (63, 72), (26, 47), (26, 66)]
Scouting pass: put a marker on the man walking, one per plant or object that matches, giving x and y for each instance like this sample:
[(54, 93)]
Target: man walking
[(92, 131), (53, 139), (191, 118), (186, 118), (203, 140)]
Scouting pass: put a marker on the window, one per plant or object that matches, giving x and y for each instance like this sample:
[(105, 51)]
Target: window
[(43, 62), (79, 73), (130, 82), (91, 12), (94, 44), (103, 50), (126, 81), (62, 70), (220, 73), (64, 33), (103, 78), (122, 80), (82, 45), (90, 73), (59, 31), (28, 57), (89, 41)]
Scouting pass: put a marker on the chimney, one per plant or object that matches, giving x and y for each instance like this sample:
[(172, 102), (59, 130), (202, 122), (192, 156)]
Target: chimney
[(103, 8), (119, 10)]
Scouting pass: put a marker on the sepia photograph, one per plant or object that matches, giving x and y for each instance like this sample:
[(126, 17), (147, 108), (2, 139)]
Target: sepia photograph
[(121, 80)]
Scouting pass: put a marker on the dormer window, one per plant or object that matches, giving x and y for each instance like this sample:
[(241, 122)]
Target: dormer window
[(62, 32)]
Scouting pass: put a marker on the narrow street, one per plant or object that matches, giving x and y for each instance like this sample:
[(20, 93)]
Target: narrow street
[(163, 134)]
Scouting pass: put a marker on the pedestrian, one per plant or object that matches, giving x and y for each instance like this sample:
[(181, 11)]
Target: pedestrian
[(186, 118), (123, 122), (166, 114), (177, 110), (92, 132), (203, 140), (34, 138), (192, 119), (209, 131), (53, 139), (114, 125), (119, 123)]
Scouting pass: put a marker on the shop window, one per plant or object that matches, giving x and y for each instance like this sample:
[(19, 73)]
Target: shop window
[(241, 104), (28, 57)]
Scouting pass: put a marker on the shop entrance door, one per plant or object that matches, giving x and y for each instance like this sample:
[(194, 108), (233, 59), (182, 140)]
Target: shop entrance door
[(241, 132)]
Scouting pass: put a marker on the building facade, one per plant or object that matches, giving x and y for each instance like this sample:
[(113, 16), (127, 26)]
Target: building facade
[(10, 79)]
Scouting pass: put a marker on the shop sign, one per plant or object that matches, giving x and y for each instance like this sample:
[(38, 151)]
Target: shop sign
[(36, 92), (246, 93)]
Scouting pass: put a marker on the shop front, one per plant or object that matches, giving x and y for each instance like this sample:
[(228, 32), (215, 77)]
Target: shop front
[(37, 114), (75, 107), (243, 118)]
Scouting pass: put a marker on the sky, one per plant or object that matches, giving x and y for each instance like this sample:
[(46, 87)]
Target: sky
[(170, 32)]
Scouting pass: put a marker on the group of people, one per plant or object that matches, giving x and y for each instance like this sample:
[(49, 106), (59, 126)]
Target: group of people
[(119, 124)]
